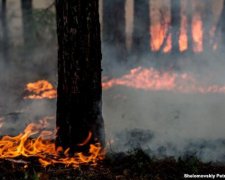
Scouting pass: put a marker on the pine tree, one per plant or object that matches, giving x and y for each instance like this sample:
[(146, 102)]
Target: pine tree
[(79, 103)]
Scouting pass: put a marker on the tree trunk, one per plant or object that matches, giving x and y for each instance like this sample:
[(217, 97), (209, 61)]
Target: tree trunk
[(79, 103), (141, 34), (5, 31), (27, 20), (114, 27), (175, 24), (189, 27), (207, 19), (221, 27)]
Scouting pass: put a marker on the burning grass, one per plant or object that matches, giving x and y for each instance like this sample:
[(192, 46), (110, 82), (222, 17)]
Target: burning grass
[(41, 89), (135, 164), (148, 79), (38, 143)]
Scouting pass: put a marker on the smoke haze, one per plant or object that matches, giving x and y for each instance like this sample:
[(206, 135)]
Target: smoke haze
[(166, 123)]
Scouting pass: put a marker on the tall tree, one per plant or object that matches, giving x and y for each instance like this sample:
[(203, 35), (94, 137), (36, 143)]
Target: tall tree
[(114, 27), (79, 111), (5, 31), (175, 24), (189, 26), (221, 27), (207, 20), (141, 34), (27, 20)]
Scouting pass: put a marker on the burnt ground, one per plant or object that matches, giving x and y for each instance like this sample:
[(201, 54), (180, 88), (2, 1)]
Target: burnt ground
[(133, 165), (173, 112), (168, 114)]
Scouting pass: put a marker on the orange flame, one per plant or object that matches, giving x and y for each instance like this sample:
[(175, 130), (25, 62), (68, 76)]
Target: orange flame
[(151, 79), (183, 39), (41, 89), (44, 148), (197, 33), (86, 140), (160, 32)]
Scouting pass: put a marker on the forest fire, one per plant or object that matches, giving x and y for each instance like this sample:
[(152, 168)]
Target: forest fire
[(151, 79), (197, 34), (148, 79), (39, 143), (41, 89), (161, 36)]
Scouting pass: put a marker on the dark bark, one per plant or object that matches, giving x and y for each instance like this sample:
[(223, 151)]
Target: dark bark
[(79, 108), (27, 20), (221, 27), (114, 27), (189, 27), (207, 19), (141, 34), (175, 24), (5, 32)]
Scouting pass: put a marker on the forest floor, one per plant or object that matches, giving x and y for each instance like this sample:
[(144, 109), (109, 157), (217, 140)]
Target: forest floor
[(134, 165)]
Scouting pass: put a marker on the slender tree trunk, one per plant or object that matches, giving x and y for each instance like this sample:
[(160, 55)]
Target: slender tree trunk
[(175, 24), (221, 27), (207, 19), (27, 20), (79, 103), (114, 27), (141, 34), (5, 32), (189, 27)]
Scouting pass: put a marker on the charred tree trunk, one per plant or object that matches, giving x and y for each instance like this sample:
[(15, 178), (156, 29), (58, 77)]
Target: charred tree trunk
[(221, 27), (79, 111), (5, 30), (207, 19), (189, 27), (27, 20), (114, 27), (141, 34), (175, 24)]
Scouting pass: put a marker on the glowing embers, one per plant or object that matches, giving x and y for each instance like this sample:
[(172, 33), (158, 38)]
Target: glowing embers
[(151, 79), (36, 142), (41, 89), (143, 78)]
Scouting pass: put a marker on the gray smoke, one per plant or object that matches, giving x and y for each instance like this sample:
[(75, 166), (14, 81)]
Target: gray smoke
[(168, 123), (165, 123)]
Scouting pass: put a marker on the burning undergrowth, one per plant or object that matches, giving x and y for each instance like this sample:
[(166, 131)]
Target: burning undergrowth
[(171, 117), (148, 79), (154, 80), (36, 141), (135, 164), (158, 111), (40, 90), (168, 112)]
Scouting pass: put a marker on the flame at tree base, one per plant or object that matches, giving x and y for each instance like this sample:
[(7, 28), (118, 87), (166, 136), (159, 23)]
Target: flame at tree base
[(44, 149)]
